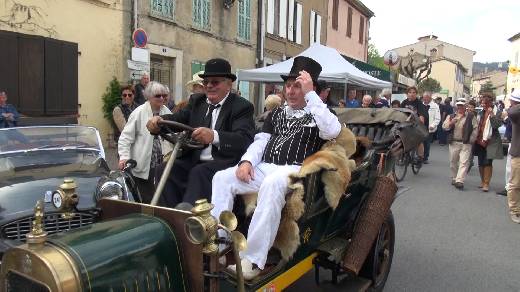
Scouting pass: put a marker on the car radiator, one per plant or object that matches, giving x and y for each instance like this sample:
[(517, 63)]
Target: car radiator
[(53, 223)]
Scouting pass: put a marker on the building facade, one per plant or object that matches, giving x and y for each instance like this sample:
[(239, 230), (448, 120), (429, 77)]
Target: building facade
[(513, 76), (183, 35), (348, 28), (57, 62), (451, 64), (497, 78)]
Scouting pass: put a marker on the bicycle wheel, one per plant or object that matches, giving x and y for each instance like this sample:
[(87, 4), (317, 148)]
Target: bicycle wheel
[(401, 166)]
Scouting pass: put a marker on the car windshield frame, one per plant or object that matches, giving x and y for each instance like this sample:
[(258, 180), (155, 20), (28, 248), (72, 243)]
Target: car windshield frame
[(42, 138)]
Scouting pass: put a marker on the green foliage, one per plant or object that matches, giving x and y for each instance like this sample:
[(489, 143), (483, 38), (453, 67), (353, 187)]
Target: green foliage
[(111, 98), (375, 59), (487, 87), (429, 84)]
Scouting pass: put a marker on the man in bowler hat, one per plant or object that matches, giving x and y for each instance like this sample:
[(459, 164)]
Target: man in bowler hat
[(223, 121), (290, 133)]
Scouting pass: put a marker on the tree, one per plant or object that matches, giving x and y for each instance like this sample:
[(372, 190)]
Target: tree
[(375, 59), (429, 84), (487, 87), (111, 98), (415, 66)]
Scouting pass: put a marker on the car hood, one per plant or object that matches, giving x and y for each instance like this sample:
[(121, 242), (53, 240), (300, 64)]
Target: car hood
[(20, 189)]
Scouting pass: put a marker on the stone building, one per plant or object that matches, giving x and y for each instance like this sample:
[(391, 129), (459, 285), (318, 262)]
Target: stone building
[(59, 56), (513, 76)]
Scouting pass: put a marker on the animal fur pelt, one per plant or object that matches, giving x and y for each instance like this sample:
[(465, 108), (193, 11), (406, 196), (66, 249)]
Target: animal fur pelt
[(333, 158)]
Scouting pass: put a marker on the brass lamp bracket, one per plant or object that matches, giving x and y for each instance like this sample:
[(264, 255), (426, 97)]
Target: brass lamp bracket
[(65, 198)]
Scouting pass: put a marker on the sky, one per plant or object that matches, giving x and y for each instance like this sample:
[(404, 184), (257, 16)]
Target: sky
[(481, 26)]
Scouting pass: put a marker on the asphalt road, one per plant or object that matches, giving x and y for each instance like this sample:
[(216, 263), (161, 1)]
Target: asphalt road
[(446, 239)]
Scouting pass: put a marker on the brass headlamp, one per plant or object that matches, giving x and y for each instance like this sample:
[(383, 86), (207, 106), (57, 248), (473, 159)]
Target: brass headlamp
[(65, 198)]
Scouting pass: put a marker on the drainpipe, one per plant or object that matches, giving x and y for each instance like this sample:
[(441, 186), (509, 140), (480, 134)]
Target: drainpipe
[(260, 53), (135, 15)]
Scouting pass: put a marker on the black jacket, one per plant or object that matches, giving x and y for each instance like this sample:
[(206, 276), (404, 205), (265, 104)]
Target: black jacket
[(235, 125)]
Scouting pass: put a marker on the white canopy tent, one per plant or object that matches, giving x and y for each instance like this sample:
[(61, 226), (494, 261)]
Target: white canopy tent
[(334, 69)]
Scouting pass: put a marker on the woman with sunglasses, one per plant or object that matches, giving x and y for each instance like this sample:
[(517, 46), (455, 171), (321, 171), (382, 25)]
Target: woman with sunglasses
[(122, 112), (137, 143)]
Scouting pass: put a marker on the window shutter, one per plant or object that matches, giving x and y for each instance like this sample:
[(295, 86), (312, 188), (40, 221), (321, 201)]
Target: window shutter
[(270, 16), (247, 7), (290, 21), (298, 23), (361, 29), (312, 27), (53, 76), (31, 75), (318, 29), (349, 22), (70, 78), (335, 7), (9, 67), (282, 32)]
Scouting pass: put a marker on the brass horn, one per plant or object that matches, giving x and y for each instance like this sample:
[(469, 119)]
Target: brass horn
[(229, 220), (239, 240)]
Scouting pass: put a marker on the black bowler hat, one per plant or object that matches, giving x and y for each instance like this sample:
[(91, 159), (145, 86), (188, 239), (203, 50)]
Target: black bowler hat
[(304, 63), (218, 68)]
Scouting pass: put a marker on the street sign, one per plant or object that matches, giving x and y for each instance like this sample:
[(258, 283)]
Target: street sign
[(141, 55), (139, 66), (140, 38), (136, 74)]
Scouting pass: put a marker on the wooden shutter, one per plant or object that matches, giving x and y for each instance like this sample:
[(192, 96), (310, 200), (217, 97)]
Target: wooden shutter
[(312, 27), (299, 23), (70, 78), (335, 7), (290, 21), (31, 74), (53, 76), (361, 29), (349, 22), (282, 31), (9, 67), (317, 35), (270, 16)]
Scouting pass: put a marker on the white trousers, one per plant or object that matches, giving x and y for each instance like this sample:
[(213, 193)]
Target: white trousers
[(459, 160), (270, 181)]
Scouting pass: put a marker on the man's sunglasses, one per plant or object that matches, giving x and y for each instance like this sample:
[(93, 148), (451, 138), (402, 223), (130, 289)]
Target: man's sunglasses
[(161, 95), (127, 94), (214, 82)]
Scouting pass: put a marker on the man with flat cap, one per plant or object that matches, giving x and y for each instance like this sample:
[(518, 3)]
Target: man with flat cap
[(290, 133), (223, 121)]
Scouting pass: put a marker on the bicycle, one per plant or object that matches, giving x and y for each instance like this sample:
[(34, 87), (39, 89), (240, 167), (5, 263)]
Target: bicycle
[(400, 167)]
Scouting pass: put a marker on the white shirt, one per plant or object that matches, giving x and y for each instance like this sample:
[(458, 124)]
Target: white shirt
[(205, 154), (434, 116), (327, 123)]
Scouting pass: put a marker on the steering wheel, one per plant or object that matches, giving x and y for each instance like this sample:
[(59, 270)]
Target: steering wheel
[(169, 130)]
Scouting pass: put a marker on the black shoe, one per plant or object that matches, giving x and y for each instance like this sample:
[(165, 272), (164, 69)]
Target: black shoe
[(459, 185), (452, 182), (502, 192), (426, 161)]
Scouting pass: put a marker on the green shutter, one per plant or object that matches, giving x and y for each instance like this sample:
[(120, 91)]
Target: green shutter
[(244, 20)]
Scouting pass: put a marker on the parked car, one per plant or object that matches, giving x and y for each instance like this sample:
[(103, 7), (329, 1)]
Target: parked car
[(138, 247), (35, 162)]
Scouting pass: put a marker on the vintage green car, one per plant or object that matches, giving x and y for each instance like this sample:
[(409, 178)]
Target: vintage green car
[(138, 247)]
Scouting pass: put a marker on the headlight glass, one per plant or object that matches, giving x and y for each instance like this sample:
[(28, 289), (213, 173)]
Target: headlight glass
[(111, 190)]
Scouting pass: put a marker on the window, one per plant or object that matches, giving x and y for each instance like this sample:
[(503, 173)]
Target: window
[(40, 75), (244, 20), (291, 21), (298, 36), (315, 28), (361, 29), (282, 32), (196, 66), (335, 7), (162, 8), (349, 22), (201, 14), (273, 16)]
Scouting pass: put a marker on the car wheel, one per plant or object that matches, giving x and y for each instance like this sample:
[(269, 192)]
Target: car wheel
[(377, 265)]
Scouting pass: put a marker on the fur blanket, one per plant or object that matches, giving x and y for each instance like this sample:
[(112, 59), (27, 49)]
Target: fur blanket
[(333, 158)]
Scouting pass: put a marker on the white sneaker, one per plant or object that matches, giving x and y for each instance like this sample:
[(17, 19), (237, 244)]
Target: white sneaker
[(515, 218), (247, 269)]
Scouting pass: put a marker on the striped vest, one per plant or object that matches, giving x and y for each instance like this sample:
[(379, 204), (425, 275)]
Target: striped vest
[(292, 139)]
